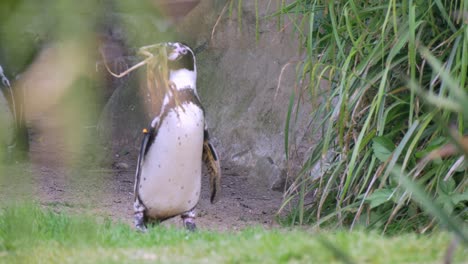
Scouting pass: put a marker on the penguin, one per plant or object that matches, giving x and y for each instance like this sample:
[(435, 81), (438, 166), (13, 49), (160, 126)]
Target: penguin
[(169, 166)]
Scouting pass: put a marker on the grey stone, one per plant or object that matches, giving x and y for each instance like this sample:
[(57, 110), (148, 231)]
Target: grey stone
[(267, 173)]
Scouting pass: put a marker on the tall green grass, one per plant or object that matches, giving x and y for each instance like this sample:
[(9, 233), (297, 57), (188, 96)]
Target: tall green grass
[(396, 91)]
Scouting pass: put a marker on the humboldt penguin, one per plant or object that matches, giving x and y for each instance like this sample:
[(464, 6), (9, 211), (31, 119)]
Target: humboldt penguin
[(169, 169)]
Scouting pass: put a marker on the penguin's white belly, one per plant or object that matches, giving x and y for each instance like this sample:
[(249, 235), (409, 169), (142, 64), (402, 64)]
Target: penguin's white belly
[(170, 179)]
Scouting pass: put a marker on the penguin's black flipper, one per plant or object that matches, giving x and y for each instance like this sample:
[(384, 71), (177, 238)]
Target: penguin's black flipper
[(148, 138), (210, 157), (138, 206)]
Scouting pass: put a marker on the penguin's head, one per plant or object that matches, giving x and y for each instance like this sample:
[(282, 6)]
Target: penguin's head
[(182, 65), (180, 56)]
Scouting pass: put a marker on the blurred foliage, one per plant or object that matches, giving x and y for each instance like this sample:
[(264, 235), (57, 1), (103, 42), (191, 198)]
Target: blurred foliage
[(395, 99), (52, 52)]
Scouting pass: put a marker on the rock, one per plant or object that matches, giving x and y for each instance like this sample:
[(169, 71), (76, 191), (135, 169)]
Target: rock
[(238, 85), (268, 172), (123, 119), (121, 166)]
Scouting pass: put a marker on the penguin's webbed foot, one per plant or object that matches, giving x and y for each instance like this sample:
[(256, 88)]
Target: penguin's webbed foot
[(188, 219), (141, 228), (190, 225), (140, 222)]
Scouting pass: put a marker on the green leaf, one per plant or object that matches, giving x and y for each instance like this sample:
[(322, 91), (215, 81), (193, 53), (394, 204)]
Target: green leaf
[(459, 197), (446, 202), (447, 187), (380, 197), (383, 148)]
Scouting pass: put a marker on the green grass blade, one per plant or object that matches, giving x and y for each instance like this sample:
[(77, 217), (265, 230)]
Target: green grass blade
[(458, 93), (287, 126)]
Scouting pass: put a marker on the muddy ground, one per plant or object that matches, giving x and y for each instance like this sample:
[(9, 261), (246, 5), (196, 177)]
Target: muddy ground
[(108, 191)]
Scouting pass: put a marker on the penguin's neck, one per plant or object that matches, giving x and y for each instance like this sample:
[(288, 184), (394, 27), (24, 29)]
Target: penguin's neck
[(183, 79)]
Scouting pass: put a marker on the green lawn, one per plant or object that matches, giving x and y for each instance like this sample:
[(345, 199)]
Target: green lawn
[(29, 234)]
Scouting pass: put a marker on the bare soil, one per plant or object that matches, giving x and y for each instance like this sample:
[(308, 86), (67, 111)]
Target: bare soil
[(108, 192)]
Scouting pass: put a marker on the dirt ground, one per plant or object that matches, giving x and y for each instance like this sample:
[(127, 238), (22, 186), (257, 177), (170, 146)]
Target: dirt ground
[(108, 192)]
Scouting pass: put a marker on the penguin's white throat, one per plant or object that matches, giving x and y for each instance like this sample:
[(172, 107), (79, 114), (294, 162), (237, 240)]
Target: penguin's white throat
[(183, 78)]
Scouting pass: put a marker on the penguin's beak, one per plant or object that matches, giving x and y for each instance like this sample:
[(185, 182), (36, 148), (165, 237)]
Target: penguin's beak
[(176, 51), (172, 53)]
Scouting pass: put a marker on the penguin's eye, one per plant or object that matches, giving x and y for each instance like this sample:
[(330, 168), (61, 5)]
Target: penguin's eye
[(184, 51)]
